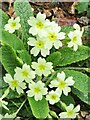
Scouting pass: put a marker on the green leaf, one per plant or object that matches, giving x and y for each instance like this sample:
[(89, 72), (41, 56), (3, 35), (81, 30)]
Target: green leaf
[(82, 82), (54, 58), (25, 56), (23, 9), (13, 94), (40, 109), (85, 97), (88, 13), (69, 56), (67, 29), (67, 99), (12, 40), (3, 19), (82, 6), (9, 59)]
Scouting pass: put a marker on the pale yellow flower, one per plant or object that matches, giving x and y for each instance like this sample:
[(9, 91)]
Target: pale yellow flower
[(37, 90), (71, 112), (42, 67), (13, 24)]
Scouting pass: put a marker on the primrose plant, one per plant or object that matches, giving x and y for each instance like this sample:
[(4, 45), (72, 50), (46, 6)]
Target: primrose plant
[(34, 51)]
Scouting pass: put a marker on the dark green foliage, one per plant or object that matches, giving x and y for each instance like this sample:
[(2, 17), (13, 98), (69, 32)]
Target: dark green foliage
[(9, 59)]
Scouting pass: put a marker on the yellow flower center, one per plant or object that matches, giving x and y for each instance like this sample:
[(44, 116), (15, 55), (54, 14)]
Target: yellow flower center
[(14, 83), (40, 44), (52, 36), (42, 67), (25, 73), (62, 84), (39, 25), (13, 24), (70, 113), (53, 97), (37, 90), (74, 39)]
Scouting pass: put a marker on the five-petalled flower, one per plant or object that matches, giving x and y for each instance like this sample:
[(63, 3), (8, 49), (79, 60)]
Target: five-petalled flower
[(42, 67), (75, 37), (38, 25), (15, 83), (25, 73), (54, 36), (53, 97), (71, 112), (13, 24), (37, 90), (61, 84), (39, 46)]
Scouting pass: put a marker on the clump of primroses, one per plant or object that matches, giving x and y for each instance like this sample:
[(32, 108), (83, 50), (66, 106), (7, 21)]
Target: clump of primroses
[(46, 35)]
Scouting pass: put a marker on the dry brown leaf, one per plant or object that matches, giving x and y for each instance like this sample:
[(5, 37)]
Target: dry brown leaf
[(66, 21)]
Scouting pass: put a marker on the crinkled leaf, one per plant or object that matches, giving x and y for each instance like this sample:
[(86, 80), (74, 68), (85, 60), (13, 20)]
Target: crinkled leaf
[(69, 56), (3, 19), (40, 109), (23, 9), (54, 58), (12, 40), (25, 56), (9, 59)]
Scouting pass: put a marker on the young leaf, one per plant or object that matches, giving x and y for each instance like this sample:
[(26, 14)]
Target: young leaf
[(69, 56), (9, 59), (40, 109), (25, 56), (23, 9), (3, 19), (54, 58), (12, 40)]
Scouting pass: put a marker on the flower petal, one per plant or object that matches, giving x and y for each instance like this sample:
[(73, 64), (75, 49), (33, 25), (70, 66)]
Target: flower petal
[(61, 35), (32, 21), (77, 108), (63, 115), (32, 41), (33, 31), (41, 16), (66, 90), (58, 44), (70, 44), (61, 76), (76, 26), (44, 52), (70, 81), (70, 107), (75, 47), (35, 51)]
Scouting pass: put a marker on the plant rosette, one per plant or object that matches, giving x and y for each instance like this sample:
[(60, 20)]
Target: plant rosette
[(41, 42)]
